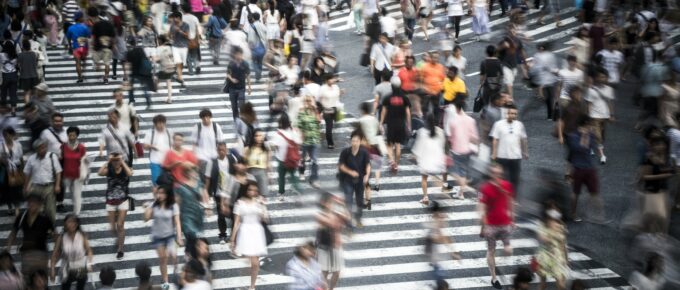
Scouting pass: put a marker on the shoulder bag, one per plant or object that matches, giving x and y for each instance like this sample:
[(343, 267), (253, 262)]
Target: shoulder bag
[(15, 174)]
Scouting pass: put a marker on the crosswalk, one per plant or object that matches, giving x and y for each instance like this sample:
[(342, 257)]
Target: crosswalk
[(385, 254)]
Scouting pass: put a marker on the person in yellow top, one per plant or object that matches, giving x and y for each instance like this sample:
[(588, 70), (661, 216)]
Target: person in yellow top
[(453, 85)]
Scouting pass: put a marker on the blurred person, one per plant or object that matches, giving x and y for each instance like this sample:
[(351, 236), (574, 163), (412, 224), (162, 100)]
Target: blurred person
[(116, 138), (143, 272), (103, 37), (206, 135), (258, 157), (9, 276), (27, 64), (354, 166), (249, 9), (408, 79), (402, 51), (272, 18), (179, 36), (148, 37), (195, 35), (107, 276), (286, 138), (551, 256), (522, 279), (191, 196), (38, 280), (652, 76), (491, 75), (396, 112), (454, 12), (438, 245), (119, 51), (223, 175), (550, 7), (388, 24), (190, 277), (257, 39), (11, 158), (612, 61), (329, 98), (382, 91), (304, 269), (491, 113), (456, 59), (73, 155), (238, 79), (453, 85), (158, 140), (430, 152), (581, 47), (600, 97), (576, 109), (73, 249), (332, 219), (670, 102), (409, 9), (10, 75), (509, 145), (56, 137), (43, 173), (568, 77), (118, 175), (245, 125), (376, 148), (141, 70), (546, 68), (654, 174), (78, 34), (509, 52), (165, 230), (652, 276), (318, 70), (290, 73), (432, 75), (249, 214), (201, 252), (425, 13), (36, 228), (214, 27), (166, 64), (463, 139), (309, 123), (480, 17), (497, 215), (178, 160), (381, 57)]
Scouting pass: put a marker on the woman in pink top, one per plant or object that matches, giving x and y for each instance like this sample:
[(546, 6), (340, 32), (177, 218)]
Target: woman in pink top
[(464, 139), (197, 8)]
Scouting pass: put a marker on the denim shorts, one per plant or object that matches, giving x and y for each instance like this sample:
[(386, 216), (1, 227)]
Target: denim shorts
[(155, 172), (461, 163), (168, 242)]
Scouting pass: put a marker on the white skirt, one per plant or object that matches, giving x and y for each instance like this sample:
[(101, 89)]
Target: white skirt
[(273, 31), (251, 241), (330, 260)]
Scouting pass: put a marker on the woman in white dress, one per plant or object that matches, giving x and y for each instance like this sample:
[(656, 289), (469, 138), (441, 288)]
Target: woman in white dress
[(272, 19), (430, 153), (458, 60), (425, 14), (250, 240), (480, 17)]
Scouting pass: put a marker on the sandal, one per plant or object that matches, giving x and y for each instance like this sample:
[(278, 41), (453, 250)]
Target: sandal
[(168, 101), (425, 200), (558, 24)]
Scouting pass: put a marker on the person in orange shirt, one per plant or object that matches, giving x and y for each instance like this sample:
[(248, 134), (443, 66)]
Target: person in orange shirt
[(432, 75), (408, 75)]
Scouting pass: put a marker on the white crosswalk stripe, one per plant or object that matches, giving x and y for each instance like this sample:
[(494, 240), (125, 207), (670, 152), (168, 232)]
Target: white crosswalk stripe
[(388, 248)]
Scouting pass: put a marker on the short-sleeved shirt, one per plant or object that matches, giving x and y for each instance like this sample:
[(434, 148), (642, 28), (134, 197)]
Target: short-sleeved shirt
[(117, 187), (453, 87), (72, 159), (383, 90), (178, 39), (35, 234), (54, 139), (173, 157), (78, 34), (164, 221), (111, 136), (569, 79), (579, 155), (161, 140), (104, 33), (408, 78), (497, 201), (491, 68), (356, 162), (612, 61), (27, 62), (240, 72), (206, 142), (396, 106), (42, 171), (599, 97), (509, 136), (433, 76)]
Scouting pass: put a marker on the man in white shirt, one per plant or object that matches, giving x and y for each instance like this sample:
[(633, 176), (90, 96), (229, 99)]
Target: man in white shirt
[(43, 176), (600, 107), (116, 138), (381, 57), (569, 77), (310, 88), (206, 136), (55, 135), (509, 145), (612, 59), (195, 31), (126, 111), (158, 140), (249, 9), (219, 175), (388, 23)]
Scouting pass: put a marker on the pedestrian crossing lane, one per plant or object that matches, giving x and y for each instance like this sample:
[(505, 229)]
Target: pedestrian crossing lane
[(386, 253)]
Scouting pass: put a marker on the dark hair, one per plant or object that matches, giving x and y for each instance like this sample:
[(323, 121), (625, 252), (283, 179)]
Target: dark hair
[(107, 276), (284, 121), (383, 11), (160, 118), (194, 267), (9, 49), (435, 207), (317, 59), (327, 77), (366, 107), (36, 274), (243, 189), (248, 113), (490, 50), (411, 57), (205, 112), (10, 131), (57, 115), (457, 47), (169, 197), (298, 253), (143, 271), (459, 101), (613, 40), (76, 218), (386, 75), (523, 275), (25, 44), (357, 133), (511, 106), (6, 255), (431, 124), (262, 146), (73, 129), (114, 112), (571, 57), (177, 134), (177, 15), (162, 39), (453, 69), (236, 49)]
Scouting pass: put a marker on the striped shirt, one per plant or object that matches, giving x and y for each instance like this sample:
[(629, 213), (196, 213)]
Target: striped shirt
[(69, 11)]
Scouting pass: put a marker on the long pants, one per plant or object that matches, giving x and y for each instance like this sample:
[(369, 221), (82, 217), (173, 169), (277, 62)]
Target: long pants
[(215, 45), (549, 96), (194, 59), (329, 118), (377, 75), (46, 191), (189, 241), (650, 108), (282, 170), (114, 66), (80, 283), (512, 169), (310, 150), (262, 178), (455, 23), (504, 5), (409, 27), (257, 66), (147, 85), (237, 97), (9, 88), (221, 219), (354, 194), (430, 104), (75, 187)]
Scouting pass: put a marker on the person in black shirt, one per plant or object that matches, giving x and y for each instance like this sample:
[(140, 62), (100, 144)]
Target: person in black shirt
[(354, 166), (238, 77), (37, 228), (141, 71), (491, 75), (103, 35), (396, 113)]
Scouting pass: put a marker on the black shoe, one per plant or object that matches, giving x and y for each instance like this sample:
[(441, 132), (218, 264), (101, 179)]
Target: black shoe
[(181, 84), (114, 77), (106, 81), (496, 284), (368, 204), (60, 208), (80, 80), (198, 70), (375, 187), (120, 255), (216, 62)]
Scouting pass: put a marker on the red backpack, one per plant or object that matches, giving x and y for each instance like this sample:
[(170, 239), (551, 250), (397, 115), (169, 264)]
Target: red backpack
[(292, 154)]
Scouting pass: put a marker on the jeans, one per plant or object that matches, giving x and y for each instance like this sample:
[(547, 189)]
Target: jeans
[(311, 151), (455, 23), (9, 88), (237, 97), (257, 66), (194, 59), (75, 186), (147, 85), (80, 283), (329, 118), (512, 169), (282, 170), (222, 219), (409, 27), (262, 179), (215, 45), (354, 192), (549, 95)]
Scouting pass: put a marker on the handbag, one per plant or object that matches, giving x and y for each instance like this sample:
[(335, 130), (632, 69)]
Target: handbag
[(139, 149), (364, 60), (15, 176), (131, 202), (269, 236), (193, 43), (479, 102)]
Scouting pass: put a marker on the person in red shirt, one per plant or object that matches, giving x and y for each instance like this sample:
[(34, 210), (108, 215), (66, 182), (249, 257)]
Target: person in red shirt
[(72, 156), (409, 82), (178, 160), (497, 215)]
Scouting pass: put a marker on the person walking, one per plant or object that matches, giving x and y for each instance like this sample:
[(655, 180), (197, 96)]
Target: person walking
[(115, 137), (509, 145), (480, 17), (43, 177), (546, 69), (238, 80), (178, 160), (257, 40), (10, 75), (258, 161), (430, 153), (409, 9), (118, 175), (551, 256), (286, 138), (141, 70), (11, 158), (600, 98), (9, 276), (73, 249), (179, 35), (376, 147), (27, 64), (329, 98), (214, 28), (439, 246), (250, 213), (395, 113), (73, 158), (381, 57), (78, 35), (166, 63), (463, 138), (304, 269), (497, 215), (309, 123), (192, 199), (165, 230), (332, 220), (454, 11), (354, 166), (103, 38), (206, 135), (490, 75), (158, 140)]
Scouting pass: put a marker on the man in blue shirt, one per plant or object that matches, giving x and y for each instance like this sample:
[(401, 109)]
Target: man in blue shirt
[(78, 36)]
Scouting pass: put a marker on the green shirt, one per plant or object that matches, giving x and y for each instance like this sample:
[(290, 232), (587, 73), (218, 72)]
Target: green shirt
[(310, 127)]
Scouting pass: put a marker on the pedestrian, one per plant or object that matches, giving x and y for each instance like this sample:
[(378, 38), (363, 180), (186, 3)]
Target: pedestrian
[(195, 35), (206, 135), (38, 280), (257, 39), (158, 140), (286, 138), (453, 86), (249, 214), (214, 28), (116, 138), (388, 24), (11, 158), (77, 35), (190, 276), (332, 220), (309, 124), (551, 257), (238, 79), (148, 38), (409, 9), (395, 115), (103, 38), (143, 272), (119, 52), (425, 13), (304, 269), (381, 57), (73, 249), (224, 175), (118, 175), (654, 174), (165, 230), (497, 215), (9, 276), (329, 98), (432, 75), (522, 278), (457, 60), (430, 152), (464, 140), (128, 115), (370, 128), (509, 145), (245, 126), (550, 7), (546, 70), (272, 18), (439, 246), (568, 77), (178, 160), (408, 77), (581, 47), (141, 70), (569, 115), (258, 161), (600, 98), (10, 75), (179, 36), (480, 18), (454, 12), (107, 276), (491, 75), (201, 252), (354, 166), (652, 275), (27, 63), (43, 176), (73, 155), (166, 61), (192, 199)]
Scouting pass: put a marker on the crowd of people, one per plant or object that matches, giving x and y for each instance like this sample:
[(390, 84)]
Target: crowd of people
[(421, 104)]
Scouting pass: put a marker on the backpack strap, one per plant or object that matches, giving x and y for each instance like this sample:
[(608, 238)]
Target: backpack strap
[(153, 133), (198, 137), (54, 172), (167, 132), (214, 125), (56, 136)]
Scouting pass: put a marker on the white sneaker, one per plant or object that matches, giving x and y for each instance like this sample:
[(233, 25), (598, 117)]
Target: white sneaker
[(302, 177), (603, 160)]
